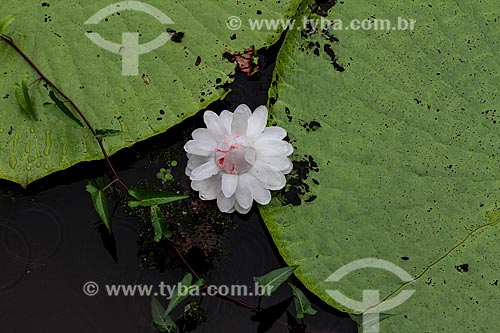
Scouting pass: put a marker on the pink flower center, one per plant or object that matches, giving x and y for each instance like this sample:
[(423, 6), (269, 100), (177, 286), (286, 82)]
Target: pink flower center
[(233, 155)]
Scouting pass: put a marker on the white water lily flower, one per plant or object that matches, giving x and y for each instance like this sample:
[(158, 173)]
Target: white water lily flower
[(237, 159)]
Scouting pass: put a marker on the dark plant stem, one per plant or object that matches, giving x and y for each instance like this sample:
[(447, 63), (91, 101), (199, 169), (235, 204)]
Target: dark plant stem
[(11, 42), (205, 286)]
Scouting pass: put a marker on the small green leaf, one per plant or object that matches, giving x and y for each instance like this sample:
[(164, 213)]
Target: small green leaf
[(272, 280), (24, 100), (187, 280), (159, 224), (104, 133), (5, 22), (61, 106), (161, 319), (100, 202), (181, 295), (148, 198), (157, 310), (302, 304)]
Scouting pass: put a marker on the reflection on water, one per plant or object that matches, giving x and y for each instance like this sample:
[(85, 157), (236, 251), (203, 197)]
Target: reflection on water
[(53, 237)]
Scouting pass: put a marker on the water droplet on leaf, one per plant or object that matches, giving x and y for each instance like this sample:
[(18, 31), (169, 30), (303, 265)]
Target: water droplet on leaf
[(13, 162)]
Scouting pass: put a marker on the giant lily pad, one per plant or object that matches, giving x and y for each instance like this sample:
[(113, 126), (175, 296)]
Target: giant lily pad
[(174, 81), (397, 158)]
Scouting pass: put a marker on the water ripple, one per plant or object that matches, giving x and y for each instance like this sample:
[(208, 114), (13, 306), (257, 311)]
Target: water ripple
[(15, 261), (44, 228)]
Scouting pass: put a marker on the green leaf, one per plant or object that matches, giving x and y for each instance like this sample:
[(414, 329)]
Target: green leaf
[(61, 106), (302, 304), (99, 201), (148, 198), (104, 133), (405, 165), (5, 22), (162, 320), (24, 99), (92, 76), (159, 224), (180, 294), (271, 281)]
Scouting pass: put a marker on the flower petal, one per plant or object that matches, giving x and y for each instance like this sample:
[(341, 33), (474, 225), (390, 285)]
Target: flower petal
[(240, 209), (240, 120), (270, 177), (201, 148), (257, 121), (226, 205), (262, 148), (273, 132), (243, 193), (214, 124), (280, 163), (195, 161), (229, 184), (288, 170), (204, 171), (273, 148), (226, 118), (259, 192), (204, 135), (209, 188)]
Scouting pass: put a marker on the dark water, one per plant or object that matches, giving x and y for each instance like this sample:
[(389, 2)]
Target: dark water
[(50, 247)]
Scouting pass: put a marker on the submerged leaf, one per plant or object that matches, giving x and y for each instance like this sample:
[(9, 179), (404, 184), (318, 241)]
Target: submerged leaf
[(24, 99), (271, 281), (146, 198), (104, 133), (302, 304), (161, 319), (61, 106), (159, 224), (180, 294), (5, 22), (99, 201)]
